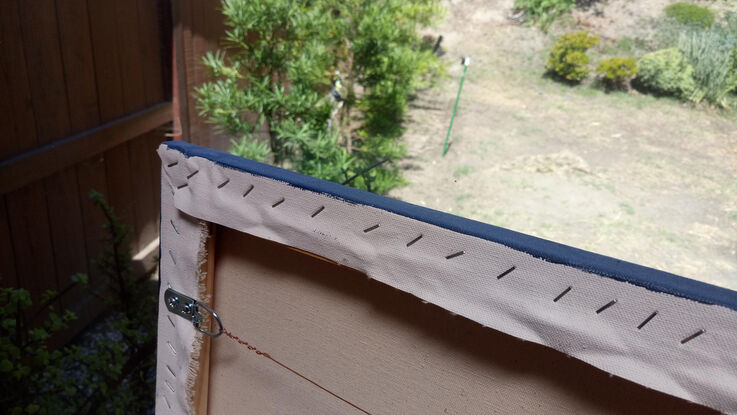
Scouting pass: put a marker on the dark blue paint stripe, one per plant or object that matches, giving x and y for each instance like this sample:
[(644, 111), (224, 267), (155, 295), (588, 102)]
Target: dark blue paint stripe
[(616, 269)]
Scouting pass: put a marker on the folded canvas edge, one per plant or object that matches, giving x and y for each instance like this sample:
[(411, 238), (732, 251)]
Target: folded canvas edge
[(554, 252), (182, 255), (193, 180)]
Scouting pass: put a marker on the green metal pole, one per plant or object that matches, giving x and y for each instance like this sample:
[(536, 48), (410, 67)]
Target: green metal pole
[(465, 63)]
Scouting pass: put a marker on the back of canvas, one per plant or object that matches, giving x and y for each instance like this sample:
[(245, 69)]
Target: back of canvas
[(381, 349)]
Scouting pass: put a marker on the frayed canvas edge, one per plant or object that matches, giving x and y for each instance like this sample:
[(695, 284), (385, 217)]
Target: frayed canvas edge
[(193, 369)]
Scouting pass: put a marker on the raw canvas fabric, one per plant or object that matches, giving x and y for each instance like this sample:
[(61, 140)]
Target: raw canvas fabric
[(457, 264)]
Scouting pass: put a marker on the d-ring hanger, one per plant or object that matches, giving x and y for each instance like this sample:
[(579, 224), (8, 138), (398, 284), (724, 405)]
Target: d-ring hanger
[(187, 307)]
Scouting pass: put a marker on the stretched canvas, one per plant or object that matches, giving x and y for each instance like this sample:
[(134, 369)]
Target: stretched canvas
[(335, 300)]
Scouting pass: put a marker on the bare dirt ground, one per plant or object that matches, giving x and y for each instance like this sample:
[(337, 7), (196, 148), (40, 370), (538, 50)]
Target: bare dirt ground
[(647, 180)]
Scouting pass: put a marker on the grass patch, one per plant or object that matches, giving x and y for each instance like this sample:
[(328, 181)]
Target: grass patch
[(627, 208), (690, 14), (463, 170), (465, 196)]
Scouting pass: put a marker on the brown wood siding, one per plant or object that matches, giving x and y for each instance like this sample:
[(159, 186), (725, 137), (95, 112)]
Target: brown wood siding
[(198, 29), (85, 105)]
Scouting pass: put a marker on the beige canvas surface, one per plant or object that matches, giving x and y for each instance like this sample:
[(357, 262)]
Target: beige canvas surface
[(382, 349), (520, 305)]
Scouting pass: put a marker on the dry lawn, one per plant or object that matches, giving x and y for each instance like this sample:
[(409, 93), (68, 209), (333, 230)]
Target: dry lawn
[(647, 180)]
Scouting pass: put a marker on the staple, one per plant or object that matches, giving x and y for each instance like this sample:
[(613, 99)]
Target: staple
[(504, 274), (412, 242), (367, 230), (183, 186), (191, 175), (457, 254), (174, 260), (279, 202), (174, 226), (173, 351), (167, 402), (171, 321), (605, 306), (647, 320), (693, 336), (172, 164), (555, 300), (248, 191), (221, 185), (169, 385), (317, 212), (171, 371)]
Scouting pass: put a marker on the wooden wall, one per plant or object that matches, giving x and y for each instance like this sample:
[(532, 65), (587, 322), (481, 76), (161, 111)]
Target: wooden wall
[(85, 101), (198, 28)]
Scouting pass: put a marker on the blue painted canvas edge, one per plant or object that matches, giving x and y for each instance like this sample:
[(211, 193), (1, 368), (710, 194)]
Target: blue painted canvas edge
[(613, 268)]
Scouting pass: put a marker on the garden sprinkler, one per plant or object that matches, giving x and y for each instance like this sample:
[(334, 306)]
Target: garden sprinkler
[(465, 62)]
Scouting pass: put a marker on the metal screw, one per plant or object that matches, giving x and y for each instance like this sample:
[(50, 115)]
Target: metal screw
[(187, 309), (173, 302)]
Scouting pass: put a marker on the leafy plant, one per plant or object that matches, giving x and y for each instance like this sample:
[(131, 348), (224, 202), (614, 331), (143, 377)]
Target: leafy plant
[(32, 375), (543, 12), (251, 149), (618, 72), (666, 72), (690, 14), (113, 375), (328, 79), (568, 59), (712, 53)]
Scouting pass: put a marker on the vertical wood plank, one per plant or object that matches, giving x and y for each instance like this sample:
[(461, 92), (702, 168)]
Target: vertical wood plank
[(195, 70), (91, 176), (207, 30), (140, 150), (105, 51), (31, 238), (109, 68), (190, 65), (126, 12), (134, 98), (67, 229), (149, 42), (79, 66), (180, 17), (16, 120), (165, 24), (120, 191), (8, 275), (45, 69)]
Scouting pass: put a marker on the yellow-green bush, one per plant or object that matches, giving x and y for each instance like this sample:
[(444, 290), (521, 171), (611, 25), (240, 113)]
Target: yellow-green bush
[(667, 72), (690, 14), (568, 58), (617, 71)]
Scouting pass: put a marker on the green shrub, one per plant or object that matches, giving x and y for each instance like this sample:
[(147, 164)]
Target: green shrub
[(666, 72), (618, 72), (568, 58), (111, 374), (543, 12), (711, 52), (284, 59), (690, 14)]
